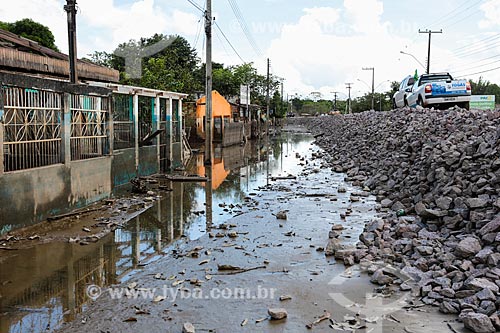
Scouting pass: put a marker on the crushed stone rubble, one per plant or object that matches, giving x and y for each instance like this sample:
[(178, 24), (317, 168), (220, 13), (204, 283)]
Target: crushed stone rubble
[(436, 176)]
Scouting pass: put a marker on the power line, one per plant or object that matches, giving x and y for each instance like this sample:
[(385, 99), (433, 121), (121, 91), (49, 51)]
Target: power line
[(444, 18), (241, 20), (478, 49), (227, 40), (481, 50), (481, 60), (477, 42), (462, 11), (478, 66), (222, 43), (464, 64), (486, 71), (198, 33), (196, 6), (467, 17), (447, 16)]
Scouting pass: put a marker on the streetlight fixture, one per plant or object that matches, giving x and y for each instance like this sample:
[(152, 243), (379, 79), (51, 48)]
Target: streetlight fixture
[(411, 55), (373, 84)]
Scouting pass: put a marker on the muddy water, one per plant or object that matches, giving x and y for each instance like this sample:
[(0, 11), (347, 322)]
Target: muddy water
[(44, 286)]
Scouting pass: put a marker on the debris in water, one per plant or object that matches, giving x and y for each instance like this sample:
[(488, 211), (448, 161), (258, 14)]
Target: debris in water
[(325, 316)]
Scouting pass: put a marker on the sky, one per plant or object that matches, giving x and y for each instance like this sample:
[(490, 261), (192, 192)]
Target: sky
[(314, 45)]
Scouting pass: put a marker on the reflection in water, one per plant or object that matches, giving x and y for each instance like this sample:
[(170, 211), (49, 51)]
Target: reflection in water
[(45, 285)]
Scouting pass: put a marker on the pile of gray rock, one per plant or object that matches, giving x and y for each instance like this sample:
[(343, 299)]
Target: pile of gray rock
[(436, 175)]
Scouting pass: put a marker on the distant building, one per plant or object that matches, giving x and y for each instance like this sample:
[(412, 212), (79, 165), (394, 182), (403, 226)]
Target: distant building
[(221, 115)]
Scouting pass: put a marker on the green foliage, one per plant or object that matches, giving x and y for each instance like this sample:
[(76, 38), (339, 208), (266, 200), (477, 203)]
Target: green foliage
[(30, 29), (178, 68), (101, 58), (382, 102), (483, 87), (4, 25)]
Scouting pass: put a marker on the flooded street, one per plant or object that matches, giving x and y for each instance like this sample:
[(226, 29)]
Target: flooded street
[(219, 266), (42, 286)]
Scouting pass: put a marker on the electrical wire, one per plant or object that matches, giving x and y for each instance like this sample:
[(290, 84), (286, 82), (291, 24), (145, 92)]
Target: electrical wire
[(244, 27), (486, 71), (447, 17), (198, 33), (461, 12), (465, 64), (222, 43), (227, 40), (480, 48), (478, 66), (466, 17), (489, 38), (477, 47), (452, 13), (196, 6)]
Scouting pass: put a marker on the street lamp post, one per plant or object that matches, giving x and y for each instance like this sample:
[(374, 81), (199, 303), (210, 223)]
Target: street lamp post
[(373, 84), (411, 55)]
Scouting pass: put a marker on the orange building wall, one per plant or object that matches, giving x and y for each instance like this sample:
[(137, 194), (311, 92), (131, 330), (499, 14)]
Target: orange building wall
[(220, 108)]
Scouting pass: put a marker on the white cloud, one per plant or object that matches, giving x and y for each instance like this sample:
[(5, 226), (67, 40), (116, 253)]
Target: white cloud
[(315, 58), (142, 18), (364, 16), (47, 12), (102, 24), (491, 11)]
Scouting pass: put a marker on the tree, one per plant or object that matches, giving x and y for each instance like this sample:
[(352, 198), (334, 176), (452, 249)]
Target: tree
[(30, 29), (483, 87), (174, 68), (101, 58)]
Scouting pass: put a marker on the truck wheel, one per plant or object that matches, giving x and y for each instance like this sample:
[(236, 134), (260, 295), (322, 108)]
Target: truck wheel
[(405, 102), (394, 106), (420, 101)]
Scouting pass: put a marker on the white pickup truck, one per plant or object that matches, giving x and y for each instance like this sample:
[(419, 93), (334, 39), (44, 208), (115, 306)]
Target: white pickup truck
[(440, 90)]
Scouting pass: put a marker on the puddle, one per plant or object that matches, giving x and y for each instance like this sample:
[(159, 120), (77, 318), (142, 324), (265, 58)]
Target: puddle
[(43, 286)]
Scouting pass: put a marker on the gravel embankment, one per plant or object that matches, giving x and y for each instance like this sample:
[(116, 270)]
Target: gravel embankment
[(437, 174)]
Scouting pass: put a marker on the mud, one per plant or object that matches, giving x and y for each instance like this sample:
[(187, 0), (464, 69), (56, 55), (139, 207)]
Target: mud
[(161, 269)]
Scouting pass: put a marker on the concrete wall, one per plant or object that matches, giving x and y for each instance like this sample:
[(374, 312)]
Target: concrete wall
[(123, 166), (90, 181), (233, 134), (30, 196), (148, 161)]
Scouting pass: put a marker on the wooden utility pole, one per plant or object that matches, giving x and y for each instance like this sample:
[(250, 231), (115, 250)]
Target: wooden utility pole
[(208, 83), (281, 106), (267, 96), (349, 87), (430, 32), (70, 8), (335, 93), (373, 84)]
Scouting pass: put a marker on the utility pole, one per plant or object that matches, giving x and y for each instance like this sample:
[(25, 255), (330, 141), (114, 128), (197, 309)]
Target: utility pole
[(70, 8), (208, 83), (373, 84), (430, 32), (267, 96), (335, 100), (349, 87), (281, 106)]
